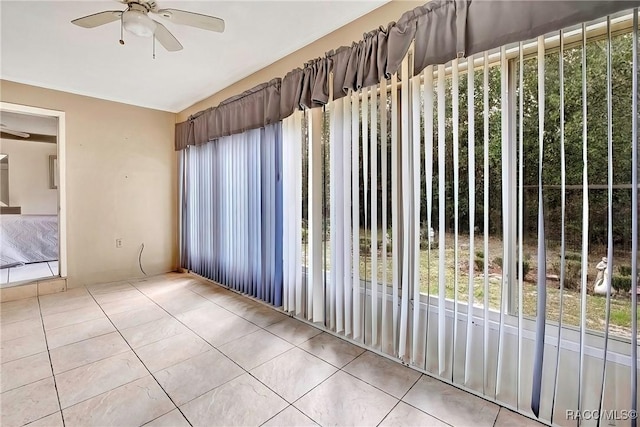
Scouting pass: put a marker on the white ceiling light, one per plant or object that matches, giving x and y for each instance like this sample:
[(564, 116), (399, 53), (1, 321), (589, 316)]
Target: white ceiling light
[(138, 23)]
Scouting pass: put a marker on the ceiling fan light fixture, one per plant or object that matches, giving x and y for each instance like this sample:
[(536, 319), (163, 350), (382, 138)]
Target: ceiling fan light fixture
[(138, 23)]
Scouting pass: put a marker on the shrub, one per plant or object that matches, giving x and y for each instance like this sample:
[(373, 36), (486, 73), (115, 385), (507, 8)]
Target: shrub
[(526, 267), (479, 261), (365, 245), (572, 256), (424, 234), (624, 270), (424, 245), (498, 261), (554, 267), (621, 283), (365, 249), (572, 274)]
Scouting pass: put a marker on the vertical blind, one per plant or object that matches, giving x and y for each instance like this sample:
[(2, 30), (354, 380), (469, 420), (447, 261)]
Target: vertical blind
[(233, 212), (463, 220), (466, 210)]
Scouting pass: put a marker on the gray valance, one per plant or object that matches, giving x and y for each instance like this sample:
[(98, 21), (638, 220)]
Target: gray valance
[(184, 135), (441, 30), (315, 84), (255, 108), (291, 92), (492, 24), (360, 65), (440, 33)]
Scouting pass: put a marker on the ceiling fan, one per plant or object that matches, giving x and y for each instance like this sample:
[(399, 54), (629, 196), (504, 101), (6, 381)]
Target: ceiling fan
[(5, 129), (135, 19)]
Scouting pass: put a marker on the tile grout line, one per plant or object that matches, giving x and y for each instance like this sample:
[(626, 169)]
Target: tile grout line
[(191, 290), (414, 407), (89, 363), (290, 405), (143, 364), (353, 342), (215, 348), (233, 361), (338, 369), (28, 280), (194, 290), (228, 342), (53, 375), (388, 413), (295, 346), (29, 383), (223, 354), (262, 328)]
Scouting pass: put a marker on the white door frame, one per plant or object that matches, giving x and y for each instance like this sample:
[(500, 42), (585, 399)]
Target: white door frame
[(62, 176)]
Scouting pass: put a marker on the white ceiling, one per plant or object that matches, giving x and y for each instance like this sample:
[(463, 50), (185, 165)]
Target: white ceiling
[(40, 46)]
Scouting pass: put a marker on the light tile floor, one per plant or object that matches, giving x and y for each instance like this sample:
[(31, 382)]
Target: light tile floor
[(174, 350), (27, 273)]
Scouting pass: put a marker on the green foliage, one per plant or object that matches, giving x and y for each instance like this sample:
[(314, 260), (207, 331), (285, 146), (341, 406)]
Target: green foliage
[(572, 256), (624, 270), (365, 249), (621, 318), (572, 274), (526, 267), (424, 240), (365, 246), (479, 260), (621, 283), (597, 148)]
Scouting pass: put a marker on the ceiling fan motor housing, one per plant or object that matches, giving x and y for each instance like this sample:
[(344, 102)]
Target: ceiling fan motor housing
[(138, 23), (148, 5)]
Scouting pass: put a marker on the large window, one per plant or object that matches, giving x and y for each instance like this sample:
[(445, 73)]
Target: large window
[(426, 196)]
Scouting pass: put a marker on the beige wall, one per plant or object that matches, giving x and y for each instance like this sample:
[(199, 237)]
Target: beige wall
[(29, 176), (343, 36), (121, 183)]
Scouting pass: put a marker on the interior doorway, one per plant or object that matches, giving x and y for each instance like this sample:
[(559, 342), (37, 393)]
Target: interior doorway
[(32, 195)]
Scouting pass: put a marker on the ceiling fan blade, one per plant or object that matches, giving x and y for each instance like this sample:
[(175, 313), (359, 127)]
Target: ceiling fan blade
[(98, 19), (166, 39), (192, 19), (15, 132)]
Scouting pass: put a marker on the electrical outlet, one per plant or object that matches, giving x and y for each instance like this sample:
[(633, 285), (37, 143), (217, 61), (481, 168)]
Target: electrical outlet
[(118, 243)]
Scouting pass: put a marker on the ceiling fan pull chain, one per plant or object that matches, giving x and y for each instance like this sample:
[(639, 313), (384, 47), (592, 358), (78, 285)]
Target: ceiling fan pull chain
[(154, 47), (121, 29)]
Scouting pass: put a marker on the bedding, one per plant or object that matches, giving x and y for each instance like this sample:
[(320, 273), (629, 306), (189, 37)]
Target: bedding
[(26, 239)]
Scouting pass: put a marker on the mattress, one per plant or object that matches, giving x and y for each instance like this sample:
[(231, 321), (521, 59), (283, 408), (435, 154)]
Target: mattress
[(26, 239)]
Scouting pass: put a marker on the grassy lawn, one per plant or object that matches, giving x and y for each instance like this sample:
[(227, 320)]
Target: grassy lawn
[(620, 319)]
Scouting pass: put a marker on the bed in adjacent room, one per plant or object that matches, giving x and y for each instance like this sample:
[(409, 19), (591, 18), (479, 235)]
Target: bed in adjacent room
[(28, 239)]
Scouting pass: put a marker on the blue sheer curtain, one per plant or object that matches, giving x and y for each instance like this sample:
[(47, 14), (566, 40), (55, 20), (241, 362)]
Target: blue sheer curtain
[(232, 212)]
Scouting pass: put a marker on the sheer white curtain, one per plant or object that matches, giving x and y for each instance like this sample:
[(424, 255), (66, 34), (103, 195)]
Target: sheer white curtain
[(232, 212)]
